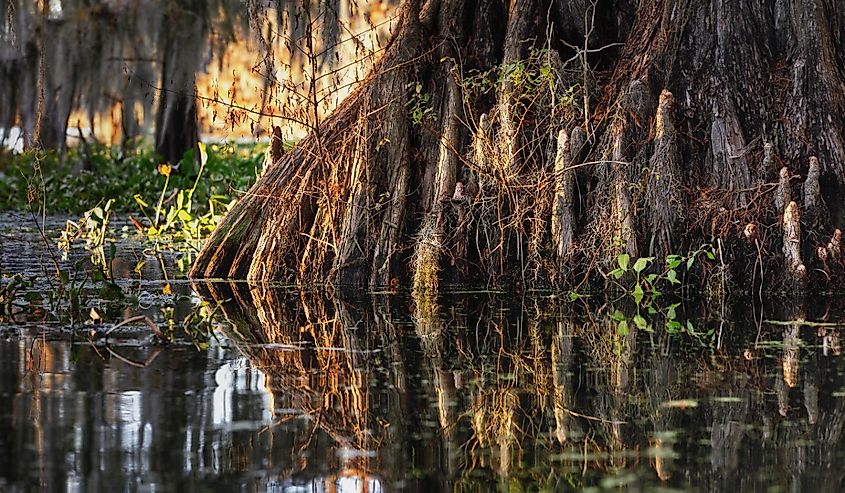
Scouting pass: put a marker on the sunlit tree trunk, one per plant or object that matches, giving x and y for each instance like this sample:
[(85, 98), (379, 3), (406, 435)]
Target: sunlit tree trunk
[(684, 112)]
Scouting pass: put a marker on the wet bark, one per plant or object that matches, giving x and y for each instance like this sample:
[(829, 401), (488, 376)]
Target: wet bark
[(686, 109)]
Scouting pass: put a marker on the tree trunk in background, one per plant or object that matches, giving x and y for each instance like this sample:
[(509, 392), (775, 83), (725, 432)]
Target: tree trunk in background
[(181, 48), (447, 157), (176, 125)]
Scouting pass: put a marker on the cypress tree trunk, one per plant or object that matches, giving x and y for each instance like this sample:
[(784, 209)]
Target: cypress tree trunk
[(180, 46), (532, 143)]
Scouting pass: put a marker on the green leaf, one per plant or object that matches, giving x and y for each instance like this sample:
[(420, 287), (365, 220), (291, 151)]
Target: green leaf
[(622, 328), (617, 273), (642, 263), (623, 260), (651, 278), (33, 297), (184, 215), (111, 292), (672, 276), (673, 326), (670, 312), (690, 261), (640, 322), (711, 255), (638, 293), (618, 316)]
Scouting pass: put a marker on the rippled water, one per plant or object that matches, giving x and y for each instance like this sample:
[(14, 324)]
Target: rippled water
[(300, 392)]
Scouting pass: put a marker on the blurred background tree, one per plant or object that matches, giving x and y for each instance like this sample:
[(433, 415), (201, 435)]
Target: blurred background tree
[(114, 71)]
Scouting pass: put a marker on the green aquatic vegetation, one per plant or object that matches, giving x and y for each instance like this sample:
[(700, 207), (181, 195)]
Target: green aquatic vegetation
[(196, 327), (84, 288), (92, 228), (93, 174), (642, 278), (419, 105), (183, 219)]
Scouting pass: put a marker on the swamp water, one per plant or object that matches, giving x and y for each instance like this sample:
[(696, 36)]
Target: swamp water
[(295, 391)]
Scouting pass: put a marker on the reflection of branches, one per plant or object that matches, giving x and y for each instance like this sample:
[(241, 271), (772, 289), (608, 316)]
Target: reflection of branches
[(311, 361), (510, 389)]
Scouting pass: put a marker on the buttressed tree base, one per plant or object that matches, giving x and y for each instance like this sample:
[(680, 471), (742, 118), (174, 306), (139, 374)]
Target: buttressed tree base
[(532, 143)]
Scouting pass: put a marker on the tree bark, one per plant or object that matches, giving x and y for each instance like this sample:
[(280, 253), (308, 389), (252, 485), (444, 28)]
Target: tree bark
[(181, 45), (686, 109)]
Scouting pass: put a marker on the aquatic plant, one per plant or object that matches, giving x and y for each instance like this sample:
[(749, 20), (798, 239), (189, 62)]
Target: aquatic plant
[(95, 174)]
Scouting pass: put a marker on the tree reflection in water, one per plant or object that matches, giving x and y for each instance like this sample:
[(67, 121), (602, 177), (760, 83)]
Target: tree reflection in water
[(481, 392)]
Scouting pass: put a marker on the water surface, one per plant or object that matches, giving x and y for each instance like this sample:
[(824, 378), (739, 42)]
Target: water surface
[(297, 391)]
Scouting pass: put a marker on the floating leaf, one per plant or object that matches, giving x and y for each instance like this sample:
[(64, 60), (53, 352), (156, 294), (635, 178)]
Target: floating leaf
[(680, 403), (727, 399), (111, 292)]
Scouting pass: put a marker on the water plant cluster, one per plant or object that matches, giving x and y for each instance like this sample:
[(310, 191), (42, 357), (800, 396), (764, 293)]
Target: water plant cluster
[(129, 218), (82, 177), (115, 195)]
